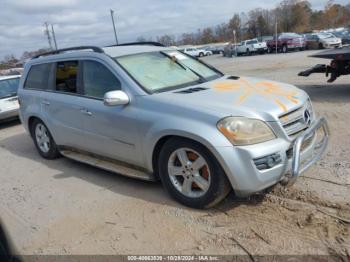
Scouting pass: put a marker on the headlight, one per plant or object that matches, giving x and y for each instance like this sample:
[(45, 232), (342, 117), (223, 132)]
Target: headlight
[(244, 131)]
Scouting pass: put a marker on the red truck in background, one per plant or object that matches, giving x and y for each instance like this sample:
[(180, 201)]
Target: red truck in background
[(286, 42)]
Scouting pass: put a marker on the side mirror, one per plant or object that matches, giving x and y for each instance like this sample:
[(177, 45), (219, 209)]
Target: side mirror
[(116, 98)]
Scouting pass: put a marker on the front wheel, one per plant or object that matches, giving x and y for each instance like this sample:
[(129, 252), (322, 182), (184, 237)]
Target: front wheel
[(43, 140), (201, 54), (191, 174), (284, 49)]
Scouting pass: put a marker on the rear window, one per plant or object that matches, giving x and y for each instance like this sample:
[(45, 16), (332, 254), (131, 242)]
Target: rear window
[(38, 77)]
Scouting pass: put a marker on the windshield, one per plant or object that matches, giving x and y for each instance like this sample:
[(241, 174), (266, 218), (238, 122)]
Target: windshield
[(8, 87), (160, 71)]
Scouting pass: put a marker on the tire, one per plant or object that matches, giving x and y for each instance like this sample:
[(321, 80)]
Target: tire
[(214, 185), (284, 49), (43, 141), (201, 54), (248, 52), (269, 50), (320, 46)]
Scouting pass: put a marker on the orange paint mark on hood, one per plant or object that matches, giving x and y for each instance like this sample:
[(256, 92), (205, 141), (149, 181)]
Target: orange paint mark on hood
[(270, 90)]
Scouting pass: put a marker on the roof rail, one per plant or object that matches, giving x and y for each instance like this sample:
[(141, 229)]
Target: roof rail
[(139, 43), (54, 52)]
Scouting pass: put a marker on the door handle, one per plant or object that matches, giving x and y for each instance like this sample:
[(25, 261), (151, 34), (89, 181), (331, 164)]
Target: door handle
[(45, 103), (85, 111)]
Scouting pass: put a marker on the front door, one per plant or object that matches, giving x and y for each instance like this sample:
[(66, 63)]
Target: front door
[(110, 130)]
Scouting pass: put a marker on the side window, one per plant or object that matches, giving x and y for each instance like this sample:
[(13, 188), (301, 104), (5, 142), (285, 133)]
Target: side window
[(98, 79), (38, 77), (67, 76)]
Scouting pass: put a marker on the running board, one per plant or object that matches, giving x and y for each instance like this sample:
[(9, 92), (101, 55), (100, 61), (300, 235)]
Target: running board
[(108, 164)]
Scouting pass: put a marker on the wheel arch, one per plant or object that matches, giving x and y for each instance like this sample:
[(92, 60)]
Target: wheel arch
[(156, 149), (30, 122)]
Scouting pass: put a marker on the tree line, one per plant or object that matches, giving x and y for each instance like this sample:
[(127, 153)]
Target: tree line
[(290, 15)]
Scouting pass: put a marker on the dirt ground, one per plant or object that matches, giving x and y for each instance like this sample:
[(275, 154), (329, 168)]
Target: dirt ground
[(64, 207)]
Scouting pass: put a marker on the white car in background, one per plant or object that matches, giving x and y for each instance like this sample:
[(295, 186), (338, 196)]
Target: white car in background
[(8, 97), (328, 40), (196, 52)]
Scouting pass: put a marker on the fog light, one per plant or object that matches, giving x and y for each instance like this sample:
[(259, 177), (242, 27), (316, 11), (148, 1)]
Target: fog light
[(268, 162)]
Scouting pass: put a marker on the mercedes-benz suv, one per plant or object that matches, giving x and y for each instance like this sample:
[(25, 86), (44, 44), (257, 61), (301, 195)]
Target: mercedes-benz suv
[(153, 112)]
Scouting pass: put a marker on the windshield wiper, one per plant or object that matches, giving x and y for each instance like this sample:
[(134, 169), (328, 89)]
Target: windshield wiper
[(201, 79)]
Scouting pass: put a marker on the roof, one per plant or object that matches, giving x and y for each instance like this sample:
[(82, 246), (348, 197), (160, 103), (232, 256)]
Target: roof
[(9, 77), (112, 51), (115, 51)]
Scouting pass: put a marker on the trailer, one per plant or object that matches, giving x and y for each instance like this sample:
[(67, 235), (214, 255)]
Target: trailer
[(340, 64)]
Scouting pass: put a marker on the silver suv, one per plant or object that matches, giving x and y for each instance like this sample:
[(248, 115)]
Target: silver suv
[(152, 112)]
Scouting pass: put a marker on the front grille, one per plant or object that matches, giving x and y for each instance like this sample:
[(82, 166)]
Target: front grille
[(294, 122)]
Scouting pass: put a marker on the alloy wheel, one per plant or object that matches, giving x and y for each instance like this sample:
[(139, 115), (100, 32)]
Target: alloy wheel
[(189, 172), (42, 138)]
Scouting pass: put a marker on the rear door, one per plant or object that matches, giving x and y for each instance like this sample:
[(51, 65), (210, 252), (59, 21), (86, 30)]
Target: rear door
[(111, 131), (61, 105)]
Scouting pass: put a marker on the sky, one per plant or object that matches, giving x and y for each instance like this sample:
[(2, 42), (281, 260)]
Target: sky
[(88, 22)]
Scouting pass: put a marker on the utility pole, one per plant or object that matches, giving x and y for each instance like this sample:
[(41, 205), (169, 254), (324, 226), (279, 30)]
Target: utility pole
[(47, 33), (115, 31), (276, 36), (235, 41), (54, 36)]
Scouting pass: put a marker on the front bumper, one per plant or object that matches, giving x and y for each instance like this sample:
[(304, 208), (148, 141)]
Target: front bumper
[(332, 45), (294, 159)]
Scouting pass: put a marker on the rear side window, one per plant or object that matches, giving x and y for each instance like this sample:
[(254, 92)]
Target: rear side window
[(38, 77), (67, 76), (98, 79)]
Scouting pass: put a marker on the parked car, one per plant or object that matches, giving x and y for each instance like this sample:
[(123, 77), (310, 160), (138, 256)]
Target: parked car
[(251, 46), (328, 40), (8, 97), (344, 36), (322, 40), (196, 52), (286, 42), (152, 112), (215, 50)]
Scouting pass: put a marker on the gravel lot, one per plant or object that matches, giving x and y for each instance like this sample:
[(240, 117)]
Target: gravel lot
[(64, 207)]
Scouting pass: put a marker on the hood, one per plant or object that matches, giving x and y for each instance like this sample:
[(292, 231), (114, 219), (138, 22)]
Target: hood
[(244, 96)]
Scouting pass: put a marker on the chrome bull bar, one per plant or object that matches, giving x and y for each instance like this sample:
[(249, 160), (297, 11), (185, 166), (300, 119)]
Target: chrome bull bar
[(318, 149)]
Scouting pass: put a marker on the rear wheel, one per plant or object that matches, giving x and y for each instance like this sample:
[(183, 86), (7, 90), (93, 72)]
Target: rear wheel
[(201, 54), (191, 174), (43, 140)]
